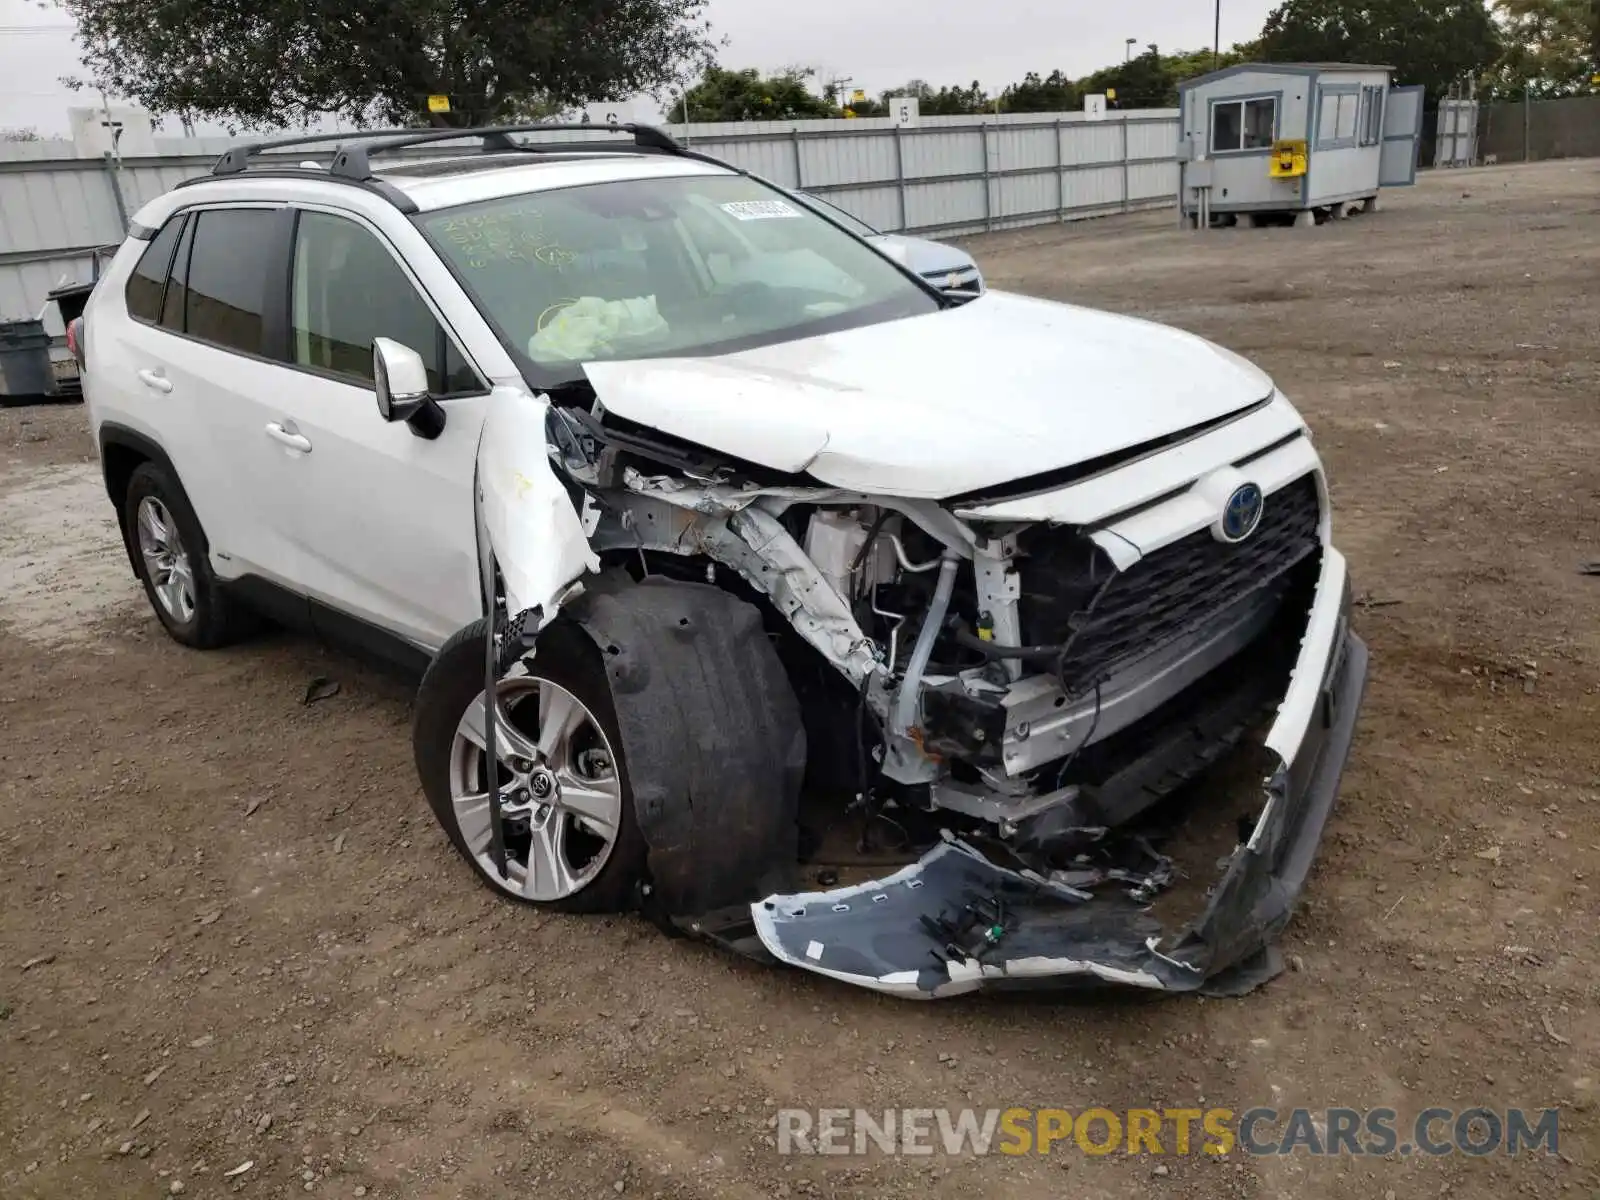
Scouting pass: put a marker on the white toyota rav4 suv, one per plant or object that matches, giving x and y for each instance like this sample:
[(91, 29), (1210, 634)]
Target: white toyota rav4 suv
[(778, 562)]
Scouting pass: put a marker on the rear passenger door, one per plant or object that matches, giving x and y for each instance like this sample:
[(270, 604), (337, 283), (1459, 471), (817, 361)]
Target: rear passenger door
[(199, 353), (386, 523)]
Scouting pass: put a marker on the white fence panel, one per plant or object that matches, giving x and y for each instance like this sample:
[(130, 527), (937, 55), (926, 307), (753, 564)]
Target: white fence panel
[(932, 153), (1092, 144), (946, 175)]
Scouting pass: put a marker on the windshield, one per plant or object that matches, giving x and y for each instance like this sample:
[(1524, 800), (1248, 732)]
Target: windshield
[(700, 264)]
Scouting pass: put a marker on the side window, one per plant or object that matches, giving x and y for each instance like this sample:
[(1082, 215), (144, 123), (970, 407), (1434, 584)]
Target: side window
[(1347, 117), (347, 290), (1243, 124), (178, 283), (143, 294), (1337, 114), (1327, 120), (1371, 116), (1260, 122), (1226, 126), (229, 265)]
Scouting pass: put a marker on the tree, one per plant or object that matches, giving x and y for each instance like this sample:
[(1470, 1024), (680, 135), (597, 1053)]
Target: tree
[(1431, 42), (1187, 64), (19, 133), (870, 108), (1144, 82), (1549, 48), (947, 101), (282, 62), (1056, 93), (747, 95)]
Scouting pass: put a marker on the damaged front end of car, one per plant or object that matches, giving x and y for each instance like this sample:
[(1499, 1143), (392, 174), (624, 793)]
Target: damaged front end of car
[(1078, 729)]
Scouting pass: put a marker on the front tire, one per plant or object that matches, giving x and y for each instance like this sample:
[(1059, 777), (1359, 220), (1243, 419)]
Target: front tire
[(572, 843)]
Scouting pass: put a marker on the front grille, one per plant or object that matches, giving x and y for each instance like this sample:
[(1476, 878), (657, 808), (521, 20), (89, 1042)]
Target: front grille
[(1162, 596), (958, 277)]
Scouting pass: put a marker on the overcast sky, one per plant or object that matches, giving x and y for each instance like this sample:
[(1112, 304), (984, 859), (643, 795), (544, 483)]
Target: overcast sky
[(877, 44)]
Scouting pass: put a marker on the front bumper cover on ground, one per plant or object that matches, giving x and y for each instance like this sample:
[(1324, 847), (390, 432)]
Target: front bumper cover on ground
[(719, 755), (893, 935)]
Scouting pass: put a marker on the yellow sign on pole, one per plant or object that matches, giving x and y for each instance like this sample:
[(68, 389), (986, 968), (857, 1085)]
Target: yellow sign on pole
[(438, 104), (858, 96), (1111, 93)]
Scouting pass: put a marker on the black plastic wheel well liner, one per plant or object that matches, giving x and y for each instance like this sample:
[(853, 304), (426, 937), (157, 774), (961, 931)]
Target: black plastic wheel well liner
[(122, 452), (712, 734)]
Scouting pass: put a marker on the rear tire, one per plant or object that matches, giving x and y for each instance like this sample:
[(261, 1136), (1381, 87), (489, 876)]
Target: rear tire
[(170, 558), (591, 764)]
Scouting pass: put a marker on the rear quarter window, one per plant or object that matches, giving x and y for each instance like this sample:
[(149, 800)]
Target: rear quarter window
[(177, 291), (149, 278)]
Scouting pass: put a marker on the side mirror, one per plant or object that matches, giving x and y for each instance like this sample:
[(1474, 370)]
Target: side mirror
[(400, 380)]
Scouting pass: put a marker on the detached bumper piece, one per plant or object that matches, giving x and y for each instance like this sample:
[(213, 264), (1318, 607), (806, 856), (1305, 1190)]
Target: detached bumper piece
[(957, 921)]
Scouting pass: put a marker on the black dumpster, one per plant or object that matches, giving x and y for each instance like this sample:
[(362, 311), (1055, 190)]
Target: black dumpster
[(70, 298), (25, 359)]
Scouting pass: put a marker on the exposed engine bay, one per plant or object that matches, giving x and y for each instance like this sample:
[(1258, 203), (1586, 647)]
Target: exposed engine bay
[(996, 714)]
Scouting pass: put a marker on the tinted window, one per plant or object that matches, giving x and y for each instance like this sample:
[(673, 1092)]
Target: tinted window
[(177, 283), (348, 290), (229, 266), (143, 294)]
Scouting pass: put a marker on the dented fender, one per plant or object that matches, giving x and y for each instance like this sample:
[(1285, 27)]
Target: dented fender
[(526, 516)]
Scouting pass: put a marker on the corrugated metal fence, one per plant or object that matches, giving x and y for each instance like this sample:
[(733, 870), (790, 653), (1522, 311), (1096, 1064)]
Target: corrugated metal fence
[(1530, 131), (945, 176)]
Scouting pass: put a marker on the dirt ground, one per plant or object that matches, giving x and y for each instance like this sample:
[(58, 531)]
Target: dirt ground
[(231, 932)]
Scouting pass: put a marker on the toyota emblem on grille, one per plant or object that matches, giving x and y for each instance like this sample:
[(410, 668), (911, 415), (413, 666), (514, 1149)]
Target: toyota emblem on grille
[(1242, 513)]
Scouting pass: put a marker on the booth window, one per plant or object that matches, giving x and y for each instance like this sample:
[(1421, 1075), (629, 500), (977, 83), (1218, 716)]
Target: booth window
[(1336, 120), (1243, 124), (1371, 116)]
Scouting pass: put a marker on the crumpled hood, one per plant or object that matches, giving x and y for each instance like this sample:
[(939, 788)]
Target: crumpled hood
[(927, 407)]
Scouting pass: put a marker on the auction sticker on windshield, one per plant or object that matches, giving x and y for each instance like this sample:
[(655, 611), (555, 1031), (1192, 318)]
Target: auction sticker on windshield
[(759, 210)]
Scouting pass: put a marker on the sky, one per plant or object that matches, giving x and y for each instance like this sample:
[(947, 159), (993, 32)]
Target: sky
[(876, 45)]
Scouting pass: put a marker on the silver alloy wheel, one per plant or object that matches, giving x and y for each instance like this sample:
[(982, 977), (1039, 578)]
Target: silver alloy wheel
[(561, 798), (166, 560)]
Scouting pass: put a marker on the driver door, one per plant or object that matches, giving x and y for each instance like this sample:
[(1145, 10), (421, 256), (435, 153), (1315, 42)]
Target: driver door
[(385, 517)]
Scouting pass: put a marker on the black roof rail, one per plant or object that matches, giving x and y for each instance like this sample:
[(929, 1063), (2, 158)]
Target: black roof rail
[(353, 162), (237, 158), (352, 157), (380, 187)]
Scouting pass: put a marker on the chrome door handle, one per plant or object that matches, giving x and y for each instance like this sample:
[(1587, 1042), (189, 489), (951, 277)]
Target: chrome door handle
[(294, 441), (156, 380)]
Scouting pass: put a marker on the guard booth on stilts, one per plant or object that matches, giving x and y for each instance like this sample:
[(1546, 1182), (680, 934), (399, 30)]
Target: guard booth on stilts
[(1293, 143)]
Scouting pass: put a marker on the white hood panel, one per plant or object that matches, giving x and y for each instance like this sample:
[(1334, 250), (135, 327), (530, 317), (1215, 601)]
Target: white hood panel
[(994, 390)]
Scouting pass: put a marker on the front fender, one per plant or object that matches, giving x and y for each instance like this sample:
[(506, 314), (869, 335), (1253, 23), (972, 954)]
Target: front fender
[(525, 515)]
